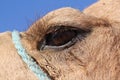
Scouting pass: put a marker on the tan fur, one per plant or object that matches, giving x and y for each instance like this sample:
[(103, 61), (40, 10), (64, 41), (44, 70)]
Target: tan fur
[(97, 57)]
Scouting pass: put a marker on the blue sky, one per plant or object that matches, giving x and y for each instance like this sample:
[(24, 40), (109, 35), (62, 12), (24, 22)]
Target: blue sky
[(20, 14)]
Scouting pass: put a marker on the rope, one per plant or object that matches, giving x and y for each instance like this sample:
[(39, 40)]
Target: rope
[(31, 63)]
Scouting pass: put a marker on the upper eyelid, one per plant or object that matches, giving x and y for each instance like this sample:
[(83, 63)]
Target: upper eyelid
[(84, 22), (66, 23), (57, 27)]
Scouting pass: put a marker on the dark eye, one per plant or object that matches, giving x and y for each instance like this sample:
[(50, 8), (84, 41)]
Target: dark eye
[(61, 37)]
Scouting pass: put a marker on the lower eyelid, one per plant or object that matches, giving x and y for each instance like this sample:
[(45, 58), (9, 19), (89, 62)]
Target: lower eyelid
[(70, 43)]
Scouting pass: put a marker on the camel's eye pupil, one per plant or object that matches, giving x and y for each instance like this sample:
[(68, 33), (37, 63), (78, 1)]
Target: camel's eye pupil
[(61, 37)]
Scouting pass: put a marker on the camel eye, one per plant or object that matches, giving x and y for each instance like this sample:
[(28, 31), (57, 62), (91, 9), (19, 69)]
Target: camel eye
[(60, 37)]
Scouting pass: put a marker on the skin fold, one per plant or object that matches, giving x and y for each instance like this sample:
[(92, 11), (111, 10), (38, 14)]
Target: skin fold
[(96, 56)]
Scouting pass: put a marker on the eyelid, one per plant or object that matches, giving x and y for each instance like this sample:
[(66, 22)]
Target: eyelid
[(62, 46), (43, 43)]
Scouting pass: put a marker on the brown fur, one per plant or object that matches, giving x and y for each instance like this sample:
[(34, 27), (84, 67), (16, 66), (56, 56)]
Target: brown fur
[(97, 57)]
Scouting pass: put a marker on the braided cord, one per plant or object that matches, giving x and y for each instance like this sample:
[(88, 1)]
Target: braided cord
[(31, 63)]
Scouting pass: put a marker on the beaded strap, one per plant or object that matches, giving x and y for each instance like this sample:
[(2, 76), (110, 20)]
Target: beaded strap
[(31, 63)]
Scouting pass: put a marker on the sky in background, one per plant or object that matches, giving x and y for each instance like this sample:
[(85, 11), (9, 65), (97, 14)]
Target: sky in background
[(20, 14)]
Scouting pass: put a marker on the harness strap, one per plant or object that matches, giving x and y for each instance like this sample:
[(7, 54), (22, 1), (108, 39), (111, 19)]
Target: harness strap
[(31, 63)]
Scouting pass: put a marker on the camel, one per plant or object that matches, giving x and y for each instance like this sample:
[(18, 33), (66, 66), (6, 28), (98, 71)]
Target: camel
[(68, 44)]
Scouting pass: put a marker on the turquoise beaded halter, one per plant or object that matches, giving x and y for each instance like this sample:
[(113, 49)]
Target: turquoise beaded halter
[(31, 63)]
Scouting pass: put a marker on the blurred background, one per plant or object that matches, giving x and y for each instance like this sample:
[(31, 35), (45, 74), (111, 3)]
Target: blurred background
[(20, 14)]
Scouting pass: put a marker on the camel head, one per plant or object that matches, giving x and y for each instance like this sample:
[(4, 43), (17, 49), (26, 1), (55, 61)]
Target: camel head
[(72, 45)]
